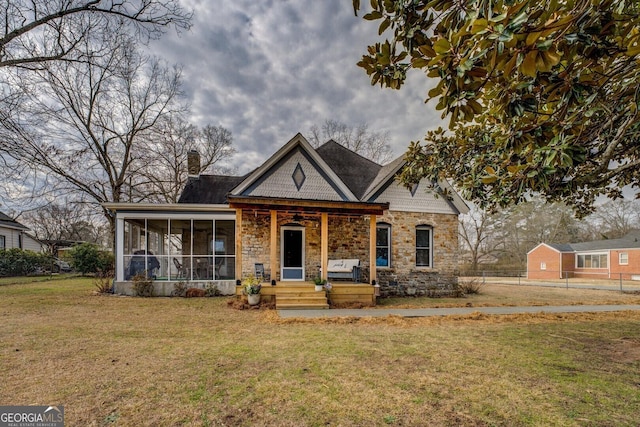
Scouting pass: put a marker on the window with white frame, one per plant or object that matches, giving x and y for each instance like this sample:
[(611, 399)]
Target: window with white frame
[(424, 244), (383, 245), (3, 242), (592, 260), (623, 258), (543, 265)]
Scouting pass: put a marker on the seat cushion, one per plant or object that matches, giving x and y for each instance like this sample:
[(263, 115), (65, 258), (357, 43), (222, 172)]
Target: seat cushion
[(342, 265)]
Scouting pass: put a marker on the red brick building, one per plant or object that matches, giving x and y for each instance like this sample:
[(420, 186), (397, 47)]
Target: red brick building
[(600, 259)]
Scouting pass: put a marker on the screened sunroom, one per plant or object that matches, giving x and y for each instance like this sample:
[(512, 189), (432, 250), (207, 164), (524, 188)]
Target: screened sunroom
[(171, 246)]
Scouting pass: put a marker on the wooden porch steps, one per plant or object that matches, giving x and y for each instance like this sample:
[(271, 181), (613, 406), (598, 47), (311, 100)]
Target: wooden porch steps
[(300, 297)]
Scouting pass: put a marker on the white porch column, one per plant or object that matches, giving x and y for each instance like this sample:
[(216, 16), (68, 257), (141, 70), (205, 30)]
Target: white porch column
[(324, 243), (119, 252), (239, 244), (372, 248)]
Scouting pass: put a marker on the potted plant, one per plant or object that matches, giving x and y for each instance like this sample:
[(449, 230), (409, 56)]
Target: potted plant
[(327, 287), (319, 282), (252, 289)]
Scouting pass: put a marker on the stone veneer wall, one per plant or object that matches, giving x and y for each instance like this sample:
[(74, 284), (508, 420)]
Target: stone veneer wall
[(403, 278), (255, 242), (349, 238)]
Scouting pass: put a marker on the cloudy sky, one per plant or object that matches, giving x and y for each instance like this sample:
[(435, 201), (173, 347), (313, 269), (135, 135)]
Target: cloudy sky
[(266, 70)]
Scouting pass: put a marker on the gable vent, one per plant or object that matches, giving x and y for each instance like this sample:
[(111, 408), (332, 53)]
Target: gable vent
[(414, 189), (298, 177)]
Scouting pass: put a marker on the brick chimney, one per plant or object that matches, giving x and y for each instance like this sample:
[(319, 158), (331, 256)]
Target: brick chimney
[(193, 164)]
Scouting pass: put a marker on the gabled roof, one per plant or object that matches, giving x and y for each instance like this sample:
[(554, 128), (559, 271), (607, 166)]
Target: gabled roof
[(209, 189), (630, 241), (561, 247), (385, 173), (558, 247), (8, 222), (297, 171), (353, 169), (388, 173), (298, 142)]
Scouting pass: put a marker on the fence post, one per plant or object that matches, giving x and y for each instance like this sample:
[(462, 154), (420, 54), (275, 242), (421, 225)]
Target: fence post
[(483, 280), (519, 274), (620, 282), (566, 278)]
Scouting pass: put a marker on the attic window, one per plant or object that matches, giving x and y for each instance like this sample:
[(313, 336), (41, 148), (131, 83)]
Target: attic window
[(298, 177)]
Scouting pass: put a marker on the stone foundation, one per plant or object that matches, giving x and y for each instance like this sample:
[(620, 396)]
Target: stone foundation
[(416, 284)]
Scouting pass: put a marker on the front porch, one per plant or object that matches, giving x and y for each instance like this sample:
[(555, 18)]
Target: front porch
[(302, 295)]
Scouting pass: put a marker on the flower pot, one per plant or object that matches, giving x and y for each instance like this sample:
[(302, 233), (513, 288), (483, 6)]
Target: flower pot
[(254, 299), (319, 288)]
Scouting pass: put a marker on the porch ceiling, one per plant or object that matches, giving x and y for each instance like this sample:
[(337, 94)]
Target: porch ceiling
[(317, 206)]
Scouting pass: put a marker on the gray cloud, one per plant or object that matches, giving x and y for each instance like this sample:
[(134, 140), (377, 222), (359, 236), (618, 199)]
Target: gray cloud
[(269, 69)]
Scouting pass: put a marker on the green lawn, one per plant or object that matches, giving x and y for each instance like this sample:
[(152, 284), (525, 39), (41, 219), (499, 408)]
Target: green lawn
[(124, 361)]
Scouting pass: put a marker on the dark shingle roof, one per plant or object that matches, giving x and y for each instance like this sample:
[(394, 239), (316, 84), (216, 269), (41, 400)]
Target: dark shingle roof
[(354, 170), (7, 221), (630, 241), (561, 247), (209, 189)]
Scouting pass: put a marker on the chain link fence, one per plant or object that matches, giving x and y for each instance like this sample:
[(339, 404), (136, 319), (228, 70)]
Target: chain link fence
[(623, 282)]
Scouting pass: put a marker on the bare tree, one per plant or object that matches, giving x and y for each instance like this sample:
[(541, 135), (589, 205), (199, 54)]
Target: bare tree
[(370, 144), (526, 225), (83, 123), (479, 236), (66, 221), (509, 234), (33, 32), (162, 173), (614, 219)]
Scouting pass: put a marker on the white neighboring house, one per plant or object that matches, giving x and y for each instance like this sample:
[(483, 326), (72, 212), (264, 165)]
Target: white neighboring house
[(15, 235)]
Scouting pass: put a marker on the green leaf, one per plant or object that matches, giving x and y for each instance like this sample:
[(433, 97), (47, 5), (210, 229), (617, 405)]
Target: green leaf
[(385, 24), (427, 50), (633, 50), (532, 38), (475, 106), (441, 46), (489, 179), (528, 67), (544, 45), (518, 20), (479, 26), (419, 63), (372, 16)]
